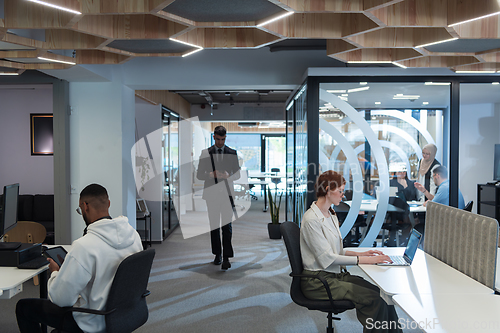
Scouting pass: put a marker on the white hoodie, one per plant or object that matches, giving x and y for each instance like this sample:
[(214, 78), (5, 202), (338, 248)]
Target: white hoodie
[(88, 270)]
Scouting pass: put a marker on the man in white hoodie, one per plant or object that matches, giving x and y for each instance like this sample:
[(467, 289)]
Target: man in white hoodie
[(85, 277)]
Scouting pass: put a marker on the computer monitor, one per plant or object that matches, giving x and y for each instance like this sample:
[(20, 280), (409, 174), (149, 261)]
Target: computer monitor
[(9, 214)]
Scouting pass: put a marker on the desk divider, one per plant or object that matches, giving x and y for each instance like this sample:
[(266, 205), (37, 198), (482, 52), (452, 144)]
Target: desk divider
[(467, 242)]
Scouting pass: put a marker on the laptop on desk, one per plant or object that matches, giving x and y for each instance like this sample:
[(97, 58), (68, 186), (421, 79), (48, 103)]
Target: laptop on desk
[(410, 251)]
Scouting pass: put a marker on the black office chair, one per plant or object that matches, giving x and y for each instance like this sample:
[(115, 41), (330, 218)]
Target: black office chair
[(468, 206), (276, 181), (291, 236), (126, 308), (397, 220)]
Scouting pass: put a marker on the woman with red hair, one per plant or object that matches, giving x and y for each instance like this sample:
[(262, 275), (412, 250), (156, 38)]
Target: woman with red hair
[(323, 255)]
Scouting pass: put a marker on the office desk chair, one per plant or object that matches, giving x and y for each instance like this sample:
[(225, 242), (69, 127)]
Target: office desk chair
[(276, 181), (397, 218), (291, 236), (468, 206), (126, 308)]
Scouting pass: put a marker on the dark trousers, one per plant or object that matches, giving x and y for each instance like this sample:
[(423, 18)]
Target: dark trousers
[(220, 213), (31, 312)]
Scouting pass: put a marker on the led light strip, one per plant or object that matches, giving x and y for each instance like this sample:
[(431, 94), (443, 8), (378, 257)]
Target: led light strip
[(198, 48), (358, 89), (275, 19), (475, 72), (437, 83), (55, 60), (399, 65), (438, 42), (474, 19), (401, 96), (8, 73), (55, 6), (194, 51)]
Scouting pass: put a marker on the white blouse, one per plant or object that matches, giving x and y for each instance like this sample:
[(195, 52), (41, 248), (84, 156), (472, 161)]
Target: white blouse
[(321, 242)]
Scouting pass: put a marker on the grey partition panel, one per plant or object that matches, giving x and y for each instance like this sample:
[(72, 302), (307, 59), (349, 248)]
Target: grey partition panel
[(468, 242)]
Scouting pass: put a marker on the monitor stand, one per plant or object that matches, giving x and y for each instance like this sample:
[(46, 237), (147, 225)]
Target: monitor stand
[(6, 246)]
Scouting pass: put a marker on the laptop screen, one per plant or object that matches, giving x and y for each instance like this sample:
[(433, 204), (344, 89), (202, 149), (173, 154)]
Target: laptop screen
[(412, 246)]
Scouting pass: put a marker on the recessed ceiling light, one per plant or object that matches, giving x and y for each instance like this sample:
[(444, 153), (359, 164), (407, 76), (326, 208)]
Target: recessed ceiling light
[(358, 89), (345, 95), (363, 83), (401, 96), (437, 83), (495, 83), (378, 103), (341, 91), (55, 60), (474, 19), (425, 103), (438, 42), (55, 6)]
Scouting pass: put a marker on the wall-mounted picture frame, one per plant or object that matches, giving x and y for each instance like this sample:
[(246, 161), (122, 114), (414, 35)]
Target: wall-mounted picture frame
[(42, 134)]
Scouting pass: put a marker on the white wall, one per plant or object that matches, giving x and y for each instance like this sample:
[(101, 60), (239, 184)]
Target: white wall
[(479, 132), (148, 121), (35, 174), (102, 136)]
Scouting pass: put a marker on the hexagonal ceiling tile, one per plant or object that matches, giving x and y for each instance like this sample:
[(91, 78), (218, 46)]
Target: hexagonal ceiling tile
[(227, 37), (377, 55), (440, 61), (401, 37)]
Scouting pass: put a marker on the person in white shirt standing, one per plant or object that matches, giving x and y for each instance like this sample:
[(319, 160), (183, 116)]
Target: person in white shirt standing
[(85, 277), (323, 255)]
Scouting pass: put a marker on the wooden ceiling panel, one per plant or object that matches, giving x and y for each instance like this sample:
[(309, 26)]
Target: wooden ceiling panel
[(440, 61), (324, 5), (129, 26), (321, 25), (479, 67), (227, 37), (97, 57), (122, 6), (68, 40), (378, 55), (414, 13), (463, 10), (401, 37), (29, 15), (24, 66), (485, 28), (491, 57), (376, 4), (334, 46)]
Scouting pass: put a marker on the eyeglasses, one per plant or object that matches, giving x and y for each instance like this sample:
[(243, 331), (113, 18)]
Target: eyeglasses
[(79, 211)]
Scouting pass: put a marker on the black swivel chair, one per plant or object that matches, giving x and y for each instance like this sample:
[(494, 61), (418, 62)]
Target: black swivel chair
[(397, 218), (126, 308), (291, 236), (468, 206), (276, 181)]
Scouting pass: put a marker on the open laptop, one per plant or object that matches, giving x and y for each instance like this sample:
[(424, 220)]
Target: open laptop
[(410, 251)]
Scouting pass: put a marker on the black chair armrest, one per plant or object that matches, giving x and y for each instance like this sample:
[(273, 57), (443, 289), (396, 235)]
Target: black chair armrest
[(146, 293), (91, 311), (323, 281)]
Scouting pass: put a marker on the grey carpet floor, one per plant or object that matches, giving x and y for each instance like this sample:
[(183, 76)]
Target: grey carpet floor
[(190, 294)]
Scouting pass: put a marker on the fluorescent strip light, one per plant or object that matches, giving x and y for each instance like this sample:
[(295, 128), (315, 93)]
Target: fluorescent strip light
[(398, 64), (357, 89), (194, 51), (438, 42), (437, 83), (475, 72), (275, 19), (8, 73), (401, 96), (378, 103), (185, 43), (363, 83), (337, 91), (56, 7), (495, 83), (345, 94), (474, 19), (369, 62), (61, 61), (425, 103)]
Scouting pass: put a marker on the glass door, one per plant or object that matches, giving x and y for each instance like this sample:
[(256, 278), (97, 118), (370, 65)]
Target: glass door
[(273, 152)]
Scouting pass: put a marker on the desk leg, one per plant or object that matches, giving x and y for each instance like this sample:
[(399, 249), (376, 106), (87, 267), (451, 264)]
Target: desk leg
[(265, 199), (150, 232), (44, 292)]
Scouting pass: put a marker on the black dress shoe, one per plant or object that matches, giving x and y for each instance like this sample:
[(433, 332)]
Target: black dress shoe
[(225, 264), (218, 259)]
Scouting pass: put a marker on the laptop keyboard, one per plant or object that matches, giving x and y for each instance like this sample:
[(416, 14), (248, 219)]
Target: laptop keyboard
[(34, 264), (398, 260)]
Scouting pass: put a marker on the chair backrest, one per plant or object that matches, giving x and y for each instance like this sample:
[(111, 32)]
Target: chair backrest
[(26, 232), (127, 293), (276, 180), (469, 205), (401, 204)]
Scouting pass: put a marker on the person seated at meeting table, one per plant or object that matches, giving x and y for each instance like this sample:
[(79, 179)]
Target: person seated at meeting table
[(442, 196), (323, 255), (84, 279), (402, 182)]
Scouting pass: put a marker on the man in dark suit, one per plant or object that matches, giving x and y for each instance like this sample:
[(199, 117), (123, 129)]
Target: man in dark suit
[(219, 167)]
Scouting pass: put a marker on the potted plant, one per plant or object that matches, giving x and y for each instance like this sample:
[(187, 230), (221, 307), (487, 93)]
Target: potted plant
[(273, 228)]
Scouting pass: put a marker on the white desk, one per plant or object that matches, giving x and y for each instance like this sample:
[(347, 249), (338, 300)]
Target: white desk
[(426, 275), (454, 313), (12, 279)]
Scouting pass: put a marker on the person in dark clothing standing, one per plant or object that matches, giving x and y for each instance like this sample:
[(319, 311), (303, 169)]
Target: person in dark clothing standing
[(218, 168)]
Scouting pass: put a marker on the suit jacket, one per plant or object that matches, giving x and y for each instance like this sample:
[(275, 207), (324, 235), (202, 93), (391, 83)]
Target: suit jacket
[(228, 163)]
